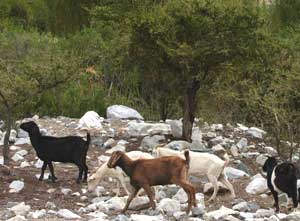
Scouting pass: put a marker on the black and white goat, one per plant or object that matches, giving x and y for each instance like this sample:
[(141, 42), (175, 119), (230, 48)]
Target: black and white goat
[(281, 178), (70, 149)]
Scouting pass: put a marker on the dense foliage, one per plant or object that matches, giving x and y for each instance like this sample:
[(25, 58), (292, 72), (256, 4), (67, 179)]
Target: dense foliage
[(223, 61)]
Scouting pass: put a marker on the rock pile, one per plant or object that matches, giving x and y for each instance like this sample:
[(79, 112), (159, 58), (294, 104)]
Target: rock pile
[(125, 127)]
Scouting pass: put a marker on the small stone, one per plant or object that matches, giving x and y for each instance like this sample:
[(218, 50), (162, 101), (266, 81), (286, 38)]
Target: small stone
[(67, 214), (261, 213), (242, 207), (180, 196), (20, 209), (50, 205), (38, 164), (261, 159), (25, 164), (38, 214), (233, 173), (16, 186), (169, 206), (17, 218), (66, 191), (257, 186), (16, 157)]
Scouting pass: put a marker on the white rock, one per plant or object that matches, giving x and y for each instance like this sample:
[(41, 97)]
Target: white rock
[(16, 186), (38, 164), (66, 191), (216, 140), (176, 127), (17, 218), (242, 127), (169, 206), (178, 145), (261, 213), (38, 214), (137, 201), (257, 186), (137, 129), (115, 148), (247, 215), (116, 203), (217, 148), (16, 157), (109, 143), (35, 117), (180, 196), (22, 152), (13, 147), (233, 173), (20, 209), (22, 133), (21, 141), (122, 112), (91, 120), (231, 218), (136, 217), (46, 175), (295, 216), (273, 218), (50, 205), (242, 145), (218, 214), (196, 134), (1, 160), (234, 151), (271, 151), (103, 158), (242, 207), (98, 215), (200, 200), (25, 164), (261, 159), (217, 127), (67, 214), (149, 142), (256, 132)]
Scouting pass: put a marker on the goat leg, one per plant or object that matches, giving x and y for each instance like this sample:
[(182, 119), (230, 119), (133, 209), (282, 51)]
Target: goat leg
[(150, 194), (275, 196), (80, 167), (43, 171), (130, 198), (53, 177)]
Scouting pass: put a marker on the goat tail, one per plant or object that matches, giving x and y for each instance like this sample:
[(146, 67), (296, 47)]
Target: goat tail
[(187, 158), (88, 139)]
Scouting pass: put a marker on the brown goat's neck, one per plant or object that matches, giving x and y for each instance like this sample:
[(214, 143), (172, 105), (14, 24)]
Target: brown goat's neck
[(126, 164)]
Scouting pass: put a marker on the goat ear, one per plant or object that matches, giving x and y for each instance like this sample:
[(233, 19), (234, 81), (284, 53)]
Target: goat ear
[(114, 158)]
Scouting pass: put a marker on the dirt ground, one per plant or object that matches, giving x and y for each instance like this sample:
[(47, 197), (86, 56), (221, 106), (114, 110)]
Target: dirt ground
[(36, 193)]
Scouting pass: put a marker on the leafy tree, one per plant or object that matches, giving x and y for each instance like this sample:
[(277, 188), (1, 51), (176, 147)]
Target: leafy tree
[(29, 65), (193, 42)]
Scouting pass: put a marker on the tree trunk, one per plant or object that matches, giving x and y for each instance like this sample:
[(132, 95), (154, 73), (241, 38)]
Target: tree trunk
[(189, 109), (6, 139), (163, 109)]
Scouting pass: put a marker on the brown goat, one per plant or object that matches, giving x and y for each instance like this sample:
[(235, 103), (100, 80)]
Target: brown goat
[(145, 173)]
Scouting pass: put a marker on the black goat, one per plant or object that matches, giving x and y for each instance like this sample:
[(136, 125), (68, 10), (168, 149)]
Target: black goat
[(70, 149), (281, 178)]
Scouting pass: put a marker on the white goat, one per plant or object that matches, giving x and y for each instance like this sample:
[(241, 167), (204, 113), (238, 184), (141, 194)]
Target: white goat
[(104, 171), (204, 164)]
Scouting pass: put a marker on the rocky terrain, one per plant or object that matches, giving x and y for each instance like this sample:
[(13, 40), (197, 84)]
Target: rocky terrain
[(24, 197)]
